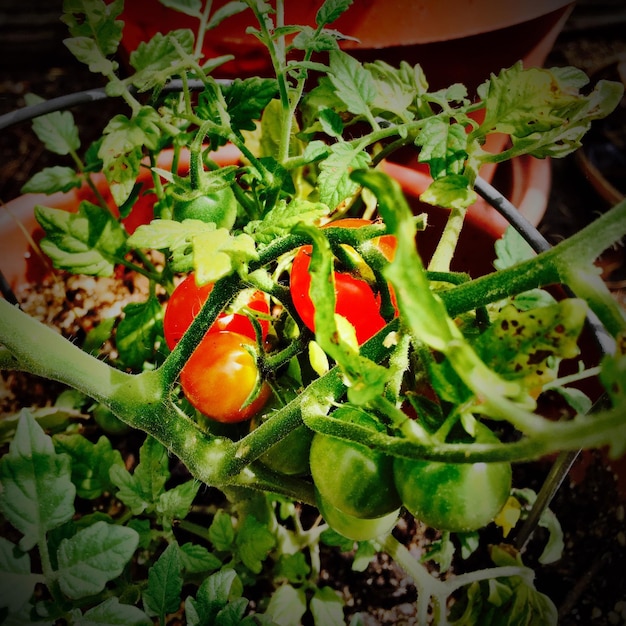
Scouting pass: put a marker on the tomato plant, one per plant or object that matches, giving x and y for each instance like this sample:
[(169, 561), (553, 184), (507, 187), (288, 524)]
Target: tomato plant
[(305, 146), (457, 497), (351, 477), (356, 299), (221, 377), (219, 207), (187, 300)]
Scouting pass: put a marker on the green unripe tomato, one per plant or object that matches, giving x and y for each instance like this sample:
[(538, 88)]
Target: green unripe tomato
[(219, 207), (457, 497), (355, 528), (290, 455), (350, 476)]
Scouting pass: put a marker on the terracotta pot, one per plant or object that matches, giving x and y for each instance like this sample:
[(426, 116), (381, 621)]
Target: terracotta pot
[(457, 41), (19, 231)]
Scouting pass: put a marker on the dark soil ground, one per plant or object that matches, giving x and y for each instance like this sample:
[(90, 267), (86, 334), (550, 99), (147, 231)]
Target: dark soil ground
[(588, 584)]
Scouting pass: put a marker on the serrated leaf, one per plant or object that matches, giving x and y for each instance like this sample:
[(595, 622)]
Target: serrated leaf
[(219, 253), (90, 241), (520, 344), (222, 531), (224, 12), (175, 503), (37, 493), (95, 20), (188, 7), (327, 607), (142, 490), (153, 60), (57, 130), (86, 50), (353, 84), (396, 88), (90, 463), (443, 147), (112, 613), (331, 10), (138, 332), (334, 181), (254, 541), (197, 559), (246, 99), (287, 606), (511, 249), (53, 179), (93, 557), (452, 192), (17, 583), (292, 567), (213, 595), (313, 40), (122, 146), (165, 583), (280, 219)]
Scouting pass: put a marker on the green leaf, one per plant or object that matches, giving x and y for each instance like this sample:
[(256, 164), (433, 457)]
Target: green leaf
[(519, 102), (312, 40), (365, 552), (86, 51), (153, 60), (94, 556), (36, 492), (292, 567), (53, 179), (90, 241), (111, 612), (175, 503), (444, 147), (227, 10), (246, 100), (141, 491), (90, 463), (196, 559), (327, 607), (254, 541), (334, 181), (452, 192), (222, 531), (287, 606), (165, 584), (17, 584), (95, 20), (121, 150), (189, 7), (396, 88), (57, 131), (511, 249), (331, 10), (218, 253), (138, 332), (354, 85), (213, 595), (522, 345), (283, 217)]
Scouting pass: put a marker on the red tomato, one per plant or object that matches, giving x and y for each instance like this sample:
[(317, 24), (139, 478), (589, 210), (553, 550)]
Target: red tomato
[(220, 375), (187, 300), (355, 298)]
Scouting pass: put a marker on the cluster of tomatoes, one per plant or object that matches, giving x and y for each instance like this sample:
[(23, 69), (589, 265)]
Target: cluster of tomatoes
[(359, 491), (221, 379)]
